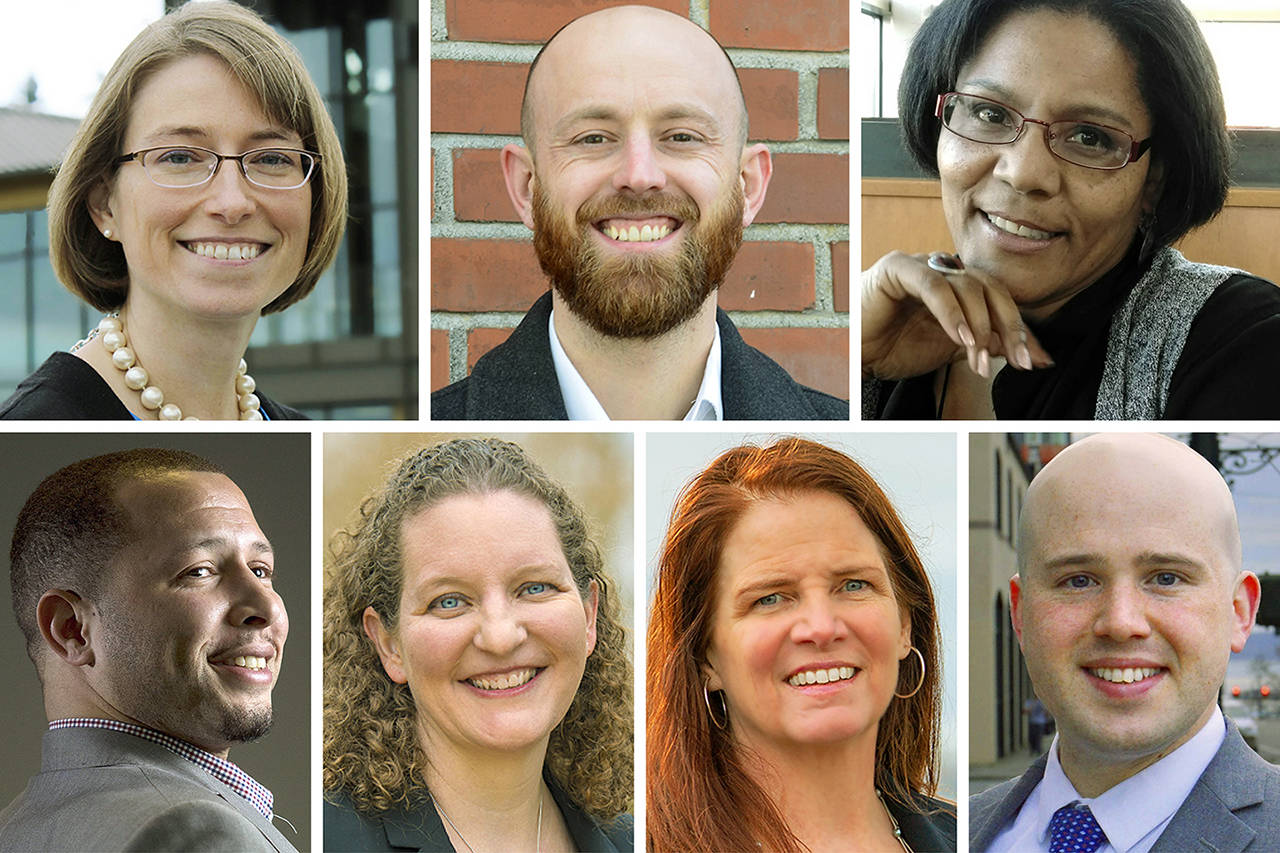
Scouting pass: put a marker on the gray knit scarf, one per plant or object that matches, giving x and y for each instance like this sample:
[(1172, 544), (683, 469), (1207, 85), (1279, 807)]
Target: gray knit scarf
[(1148, 333)]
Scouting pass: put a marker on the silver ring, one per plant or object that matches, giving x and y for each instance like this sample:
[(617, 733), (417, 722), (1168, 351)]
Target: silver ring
[(946, 263)]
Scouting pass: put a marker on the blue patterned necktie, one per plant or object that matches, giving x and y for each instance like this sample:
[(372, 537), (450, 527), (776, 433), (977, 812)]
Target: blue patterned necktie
[(1073, 829)]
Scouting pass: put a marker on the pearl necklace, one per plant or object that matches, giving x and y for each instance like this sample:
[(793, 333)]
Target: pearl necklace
[(110, 331)]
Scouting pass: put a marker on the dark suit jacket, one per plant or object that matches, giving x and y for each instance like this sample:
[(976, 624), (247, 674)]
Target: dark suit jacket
[(1235, 806), (932, 829), (516, 381), (105, 790), (419, 828)]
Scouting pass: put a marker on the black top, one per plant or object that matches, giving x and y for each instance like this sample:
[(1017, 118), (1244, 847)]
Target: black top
[(517, 381), (1232, 353), (420, 828), (929, 826), (66, 388)]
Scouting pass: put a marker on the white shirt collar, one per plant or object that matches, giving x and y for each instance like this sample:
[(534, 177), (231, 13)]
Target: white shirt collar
[(1136, 811), (581, 404)]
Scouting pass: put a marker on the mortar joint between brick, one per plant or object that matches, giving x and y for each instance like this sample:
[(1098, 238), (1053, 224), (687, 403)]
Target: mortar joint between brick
[(469, 320), (700, 13), (808, 146), (483, 231), (823, 277), (484, 51), (790, 319), (457, 354), (439, 21), (808, 100), (793, 60), (442, 185), (454, 141)]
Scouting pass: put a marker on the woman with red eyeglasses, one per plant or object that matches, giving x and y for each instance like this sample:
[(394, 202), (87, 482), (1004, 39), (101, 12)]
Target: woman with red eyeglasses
[(1075, 141)]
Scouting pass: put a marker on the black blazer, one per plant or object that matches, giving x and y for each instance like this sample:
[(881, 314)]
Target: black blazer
[(516, 381), (931, 828), (419, 828), (66, 388)]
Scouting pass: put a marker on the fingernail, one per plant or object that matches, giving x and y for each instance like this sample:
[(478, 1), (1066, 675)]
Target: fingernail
[(965, 335), (984, 364), (1022, 355), (972, 355)]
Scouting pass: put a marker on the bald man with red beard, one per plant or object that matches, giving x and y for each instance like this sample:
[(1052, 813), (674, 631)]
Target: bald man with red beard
[(637, 182)]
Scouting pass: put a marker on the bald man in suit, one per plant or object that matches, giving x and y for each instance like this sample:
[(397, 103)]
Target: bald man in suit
[(1128, 602)]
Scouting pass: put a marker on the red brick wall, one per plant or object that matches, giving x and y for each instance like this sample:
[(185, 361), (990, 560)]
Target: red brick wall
[(788, 290)]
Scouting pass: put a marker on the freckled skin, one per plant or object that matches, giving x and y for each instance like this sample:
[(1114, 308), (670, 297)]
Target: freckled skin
[(1049, 66), (1129, 556)]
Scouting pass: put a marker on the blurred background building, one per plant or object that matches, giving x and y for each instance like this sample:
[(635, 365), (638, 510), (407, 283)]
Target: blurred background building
[(350, 350), (1001, 466)]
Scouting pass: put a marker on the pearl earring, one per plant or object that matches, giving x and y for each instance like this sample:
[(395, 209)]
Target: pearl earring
[(106, 232)]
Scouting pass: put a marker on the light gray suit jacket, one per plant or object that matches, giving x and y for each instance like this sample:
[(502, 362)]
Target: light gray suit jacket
[(105, 790), (1235, 806)]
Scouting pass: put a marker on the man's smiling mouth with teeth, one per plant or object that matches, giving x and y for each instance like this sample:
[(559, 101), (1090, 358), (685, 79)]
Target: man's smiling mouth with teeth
[(505, 681), (822, 676), (226, 251), (250, 662), (1015, 228), (1124, 675)]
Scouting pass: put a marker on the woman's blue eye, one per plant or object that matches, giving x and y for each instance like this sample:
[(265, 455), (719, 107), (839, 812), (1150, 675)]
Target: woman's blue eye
[(447, 602), (536, 588), (854, 585), (178, 157), (769, 600)]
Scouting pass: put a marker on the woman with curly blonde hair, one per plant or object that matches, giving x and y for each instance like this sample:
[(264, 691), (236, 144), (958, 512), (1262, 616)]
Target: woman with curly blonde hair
[(477, 690)]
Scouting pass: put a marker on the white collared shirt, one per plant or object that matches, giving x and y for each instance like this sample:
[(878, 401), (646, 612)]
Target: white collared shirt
[(581, 404), (1132, 814)]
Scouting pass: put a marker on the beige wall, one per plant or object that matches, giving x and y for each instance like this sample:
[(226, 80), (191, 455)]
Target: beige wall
[(906, 214), (992, 561), (595, 468)]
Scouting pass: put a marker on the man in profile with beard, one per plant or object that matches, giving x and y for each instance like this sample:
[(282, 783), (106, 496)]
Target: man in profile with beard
[(637, 182), (143, 586)]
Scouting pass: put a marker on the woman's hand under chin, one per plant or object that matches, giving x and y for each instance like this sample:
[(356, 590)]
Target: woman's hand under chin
[(916, 319)]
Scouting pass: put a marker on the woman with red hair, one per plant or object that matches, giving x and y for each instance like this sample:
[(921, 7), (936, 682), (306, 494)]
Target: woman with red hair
[(794, 691)]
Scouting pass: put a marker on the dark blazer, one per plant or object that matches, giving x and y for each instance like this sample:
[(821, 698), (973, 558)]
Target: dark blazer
[(1235, 806), (66, 388), (928, 828), (419, 828), (516, 381), (105, 790)]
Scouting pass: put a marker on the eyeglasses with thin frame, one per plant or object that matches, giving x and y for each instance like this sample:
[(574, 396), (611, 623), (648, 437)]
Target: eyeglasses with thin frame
[(1094, 146), (182, 166)]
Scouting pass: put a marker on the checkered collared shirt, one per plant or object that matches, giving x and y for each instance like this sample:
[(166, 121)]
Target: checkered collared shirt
[(221, 769)]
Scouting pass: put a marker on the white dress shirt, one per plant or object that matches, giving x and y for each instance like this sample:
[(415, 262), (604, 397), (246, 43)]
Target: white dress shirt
[(581, 404), (1132, 814)]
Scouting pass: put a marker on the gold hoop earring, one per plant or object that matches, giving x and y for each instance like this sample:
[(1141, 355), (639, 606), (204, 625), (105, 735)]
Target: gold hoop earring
[(920, 684), (724, 708)]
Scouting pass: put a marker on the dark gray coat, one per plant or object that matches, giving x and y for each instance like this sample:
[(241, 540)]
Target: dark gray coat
[(1234, 807), (516, 381)]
